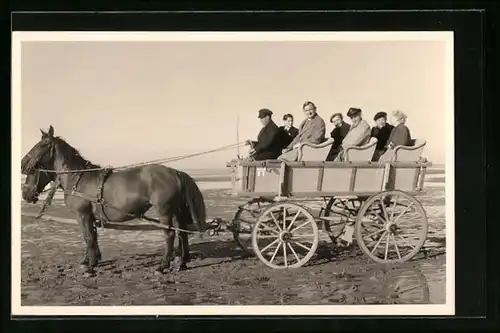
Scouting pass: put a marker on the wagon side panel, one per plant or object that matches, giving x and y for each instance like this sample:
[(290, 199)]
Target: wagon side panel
[(407, 179), (367, 180)]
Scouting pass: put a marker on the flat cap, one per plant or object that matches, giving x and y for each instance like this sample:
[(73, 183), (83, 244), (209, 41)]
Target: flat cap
[(353, 112), (379, 115), (264, 113)]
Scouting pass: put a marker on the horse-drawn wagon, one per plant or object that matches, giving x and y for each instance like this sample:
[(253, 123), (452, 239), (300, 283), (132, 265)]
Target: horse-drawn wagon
[(376, 202)]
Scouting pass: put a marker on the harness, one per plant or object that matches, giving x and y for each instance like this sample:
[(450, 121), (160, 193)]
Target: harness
[(100, 202)]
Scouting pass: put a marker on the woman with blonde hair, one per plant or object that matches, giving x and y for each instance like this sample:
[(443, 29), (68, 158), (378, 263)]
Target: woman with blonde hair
[(400, 135)]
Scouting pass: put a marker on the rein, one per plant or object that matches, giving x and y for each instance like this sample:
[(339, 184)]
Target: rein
[(164, 160)]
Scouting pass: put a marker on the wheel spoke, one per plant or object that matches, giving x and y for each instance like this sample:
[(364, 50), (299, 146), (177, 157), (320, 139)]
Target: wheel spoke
[(284, 220), (396, 246), (270, 244), (409, 220), (387, 238), (300, 226), (407, 242), (394, 207), (382, 206), (379, 241), (266, 228), (266, 236), (375, 233), (275, 221), (284, 254), (304, 235), (404, 212), (293, 220), (275, 252), (302, 246), (294, 253)]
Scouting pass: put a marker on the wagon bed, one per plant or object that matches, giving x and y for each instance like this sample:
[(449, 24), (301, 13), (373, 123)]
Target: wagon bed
[(368, 201), (324, 179)]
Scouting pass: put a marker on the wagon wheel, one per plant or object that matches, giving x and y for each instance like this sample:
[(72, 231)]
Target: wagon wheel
[(244, 220), (335, 226), (285, 236), (391, 227)]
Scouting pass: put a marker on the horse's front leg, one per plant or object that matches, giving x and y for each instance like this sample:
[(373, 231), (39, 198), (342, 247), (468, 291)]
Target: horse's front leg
[(86, 221), (85, 260), (169, 245)]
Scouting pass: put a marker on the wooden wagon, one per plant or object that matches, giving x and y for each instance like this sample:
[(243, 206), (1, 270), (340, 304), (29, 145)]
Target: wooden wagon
[(371, 204)]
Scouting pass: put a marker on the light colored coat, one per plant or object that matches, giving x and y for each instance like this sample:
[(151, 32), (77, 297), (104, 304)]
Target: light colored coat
[(358, 135), (310, 130)]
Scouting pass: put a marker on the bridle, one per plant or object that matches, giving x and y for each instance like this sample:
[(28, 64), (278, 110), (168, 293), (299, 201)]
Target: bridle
[(35, 171)]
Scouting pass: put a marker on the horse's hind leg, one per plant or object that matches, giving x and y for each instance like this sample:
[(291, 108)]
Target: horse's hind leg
[(184, 249)]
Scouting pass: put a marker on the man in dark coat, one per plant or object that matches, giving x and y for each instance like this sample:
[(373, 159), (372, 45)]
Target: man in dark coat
[(267, 146), (287, 132), (381, 131)]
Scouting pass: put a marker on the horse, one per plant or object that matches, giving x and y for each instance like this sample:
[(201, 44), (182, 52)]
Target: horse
[(103, 194)]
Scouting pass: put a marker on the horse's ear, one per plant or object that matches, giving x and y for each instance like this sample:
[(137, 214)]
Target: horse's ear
[(44, 134), (51, 131)]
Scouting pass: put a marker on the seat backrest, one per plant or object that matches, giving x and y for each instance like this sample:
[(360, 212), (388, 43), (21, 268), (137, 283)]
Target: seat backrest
[(307, 153), (409, 153), (362, 153)]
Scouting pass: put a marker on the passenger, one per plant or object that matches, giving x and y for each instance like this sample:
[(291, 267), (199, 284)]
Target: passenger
[(381, 131), (358, 135), (400, 136), (267, 145), (340, 129), (311, 130), (287, 132)]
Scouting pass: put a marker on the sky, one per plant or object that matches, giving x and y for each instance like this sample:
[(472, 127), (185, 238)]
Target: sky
[(129, 102)]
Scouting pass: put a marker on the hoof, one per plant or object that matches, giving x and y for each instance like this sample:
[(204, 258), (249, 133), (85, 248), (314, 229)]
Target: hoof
[(84, 266), (88, 274), (181, 267), (161, 271)]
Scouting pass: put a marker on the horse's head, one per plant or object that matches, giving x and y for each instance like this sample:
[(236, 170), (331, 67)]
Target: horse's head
[(41, 156), (35, 183)]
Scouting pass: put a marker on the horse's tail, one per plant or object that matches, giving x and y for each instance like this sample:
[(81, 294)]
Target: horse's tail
[(194, 200)]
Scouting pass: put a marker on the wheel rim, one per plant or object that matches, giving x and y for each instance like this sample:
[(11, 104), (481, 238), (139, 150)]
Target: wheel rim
[(391, 227), (285, 236), (243, 223)]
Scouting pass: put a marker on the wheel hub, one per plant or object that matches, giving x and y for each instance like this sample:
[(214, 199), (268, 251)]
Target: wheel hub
[(391, 228), (286, 236)]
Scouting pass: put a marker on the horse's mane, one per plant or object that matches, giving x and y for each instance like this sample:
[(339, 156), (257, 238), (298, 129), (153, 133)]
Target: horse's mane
[(73, 156)]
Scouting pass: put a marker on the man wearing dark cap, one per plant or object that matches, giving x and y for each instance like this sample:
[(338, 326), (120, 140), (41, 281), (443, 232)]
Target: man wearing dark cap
[(267, 146), (359, 133), (381, 131)]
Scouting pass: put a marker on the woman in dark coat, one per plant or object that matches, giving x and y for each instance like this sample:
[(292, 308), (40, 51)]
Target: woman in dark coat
[(400, 136)]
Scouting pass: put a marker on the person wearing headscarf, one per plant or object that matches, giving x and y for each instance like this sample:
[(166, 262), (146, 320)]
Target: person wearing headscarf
[(381, 131)]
